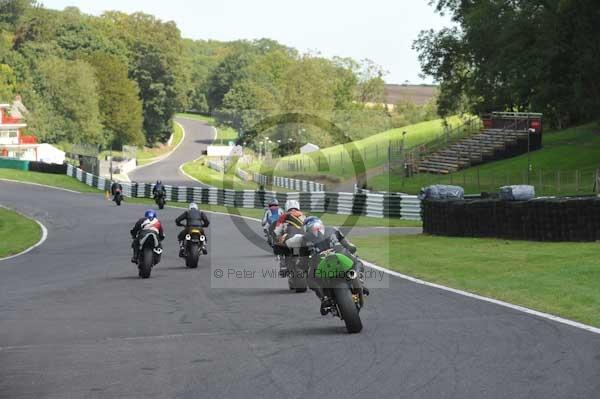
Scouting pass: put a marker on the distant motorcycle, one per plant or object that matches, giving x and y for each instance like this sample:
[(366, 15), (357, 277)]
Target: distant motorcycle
[(343, 285), (149, 253), (195, 243), (160, 200), (118, 197)]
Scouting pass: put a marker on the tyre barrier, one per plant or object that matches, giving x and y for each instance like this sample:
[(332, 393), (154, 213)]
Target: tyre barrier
[(370, 205), (541, 219)]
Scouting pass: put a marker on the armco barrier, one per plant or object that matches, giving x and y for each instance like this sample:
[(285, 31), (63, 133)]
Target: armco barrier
[(371, 205), (542, 219), (286, 182)]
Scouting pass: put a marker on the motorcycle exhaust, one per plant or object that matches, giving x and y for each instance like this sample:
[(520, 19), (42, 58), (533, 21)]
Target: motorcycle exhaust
[(188, 237), (158, 251), (351, 275), (202, 238)]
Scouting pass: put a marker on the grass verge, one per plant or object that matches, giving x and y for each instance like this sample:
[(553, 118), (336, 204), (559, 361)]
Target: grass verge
[(557, 278), (147, 155), (17, 233), (60, 181), (200, 171)]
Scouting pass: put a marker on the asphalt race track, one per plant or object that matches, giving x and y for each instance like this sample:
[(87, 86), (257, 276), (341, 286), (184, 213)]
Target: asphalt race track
[(198, 135), (77, 322)]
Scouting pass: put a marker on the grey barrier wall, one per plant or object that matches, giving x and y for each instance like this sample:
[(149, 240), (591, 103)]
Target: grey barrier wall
[(364, 204), (286, 182)]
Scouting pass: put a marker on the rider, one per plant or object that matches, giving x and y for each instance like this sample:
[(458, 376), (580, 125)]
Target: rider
[(194, 218), (320, 239), (272, 214), (148, 223), (158, 188), (114, 187), (290, 223)]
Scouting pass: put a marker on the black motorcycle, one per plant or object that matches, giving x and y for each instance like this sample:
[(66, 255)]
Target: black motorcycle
[(195, 244), (149, 252), (118, 197), (160, 199)]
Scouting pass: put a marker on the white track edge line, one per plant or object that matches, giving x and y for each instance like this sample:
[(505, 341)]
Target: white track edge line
[(42, 185), (31, 248)]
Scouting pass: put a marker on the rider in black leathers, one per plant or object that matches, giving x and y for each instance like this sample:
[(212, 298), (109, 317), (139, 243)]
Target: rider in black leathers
[(158, 188), (194, 218), (114, 187)]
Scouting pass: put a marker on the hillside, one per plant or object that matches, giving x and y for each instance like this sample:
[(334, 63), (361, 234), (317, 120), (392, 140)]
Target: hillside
[(417, 94), (565, 165), (339, 162)]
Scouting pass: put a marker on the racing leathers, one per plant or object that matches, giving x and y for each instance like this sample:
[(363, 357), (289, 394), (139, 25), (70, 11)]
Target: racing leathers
[(329, 240), (193, 218)]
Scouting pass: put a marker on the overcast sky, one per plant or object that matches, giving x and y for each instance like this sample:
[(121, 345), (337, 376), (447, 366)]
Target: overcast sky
[(380, 30)]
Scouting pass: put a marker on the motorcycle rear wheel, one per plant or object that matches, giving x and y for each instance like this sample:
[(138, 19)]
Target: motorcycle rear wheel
[(146, 263), (191, 259)]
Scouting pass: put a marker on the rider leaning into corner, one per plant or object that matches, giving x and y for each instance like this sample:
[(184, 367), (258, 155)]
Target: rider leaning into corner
[(149, 223), (193, 218), (290, 223), (320, 238)]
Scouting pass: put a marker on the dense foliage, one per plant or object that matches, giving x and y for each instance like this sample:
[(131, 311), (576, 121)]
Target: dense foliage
[(118, 79), (530, 55)]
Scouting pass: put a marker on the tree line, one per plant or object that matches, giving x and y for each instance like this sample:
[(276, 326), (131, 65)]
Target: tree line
[(518, 55), (119, 78)]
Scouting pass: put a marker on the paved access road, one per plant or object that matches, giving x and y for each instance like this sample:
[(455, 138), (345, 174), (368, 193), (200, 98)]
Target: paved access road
[(198, 135), (76, 322)]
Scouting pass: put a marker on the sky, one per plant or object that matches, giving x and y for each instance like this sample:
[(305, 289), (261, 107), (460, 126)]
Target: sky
[(380, 30)]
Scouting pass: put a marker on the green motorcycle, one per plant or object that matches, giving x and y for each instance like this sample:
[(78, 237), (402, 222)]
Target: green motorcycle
[(342, 283)]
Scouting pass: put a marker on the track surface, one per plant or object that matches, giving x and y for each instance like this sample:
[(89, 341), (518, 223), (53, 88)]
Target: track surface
[(198, 135), (75, 321)]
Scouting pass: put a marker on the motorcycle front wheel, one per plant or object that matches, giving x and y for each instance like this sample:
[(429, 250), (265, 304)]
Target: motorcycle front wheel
[(347, 307)]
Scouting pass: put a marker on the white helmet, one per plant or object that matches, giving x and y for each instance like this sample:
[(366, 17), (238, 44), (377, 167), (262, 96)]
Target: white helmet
[(291, 204), (193, 206)]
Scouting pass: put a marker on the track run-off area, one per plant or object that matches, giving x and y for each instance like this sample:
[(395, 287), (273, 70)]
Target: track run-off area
[(76, 321)]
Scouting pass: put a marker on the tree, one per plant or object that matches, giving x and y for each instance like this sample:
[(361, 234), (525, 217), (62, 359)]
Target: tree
[(71, 90), (120, 106)]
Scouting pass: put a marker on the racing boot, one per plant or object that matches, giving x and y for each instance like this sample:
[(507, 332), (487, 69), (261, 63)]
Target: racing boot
[(181, 249), (325, 305)]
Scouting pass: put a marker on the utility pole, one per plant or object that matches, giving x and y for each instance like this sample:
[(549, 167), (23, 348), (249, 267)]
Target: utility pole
[(530, 131)]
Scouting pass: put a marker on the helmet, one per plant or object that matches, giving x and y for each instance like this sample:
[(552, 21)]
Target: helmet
[(315, 226), (150, 214), (273, 202), (193, 206), (291, 204)]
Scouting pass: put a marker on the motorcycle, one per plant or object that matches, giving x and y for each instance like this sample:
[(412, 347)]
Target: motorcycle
[(160, 200), (149, 253), (294, 264), (195, 243), (118, 197), (343, 284)]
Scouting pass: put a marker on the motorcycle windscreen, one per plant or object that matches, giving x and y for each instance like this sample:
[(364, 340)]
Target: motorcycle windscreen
[(333, 266)]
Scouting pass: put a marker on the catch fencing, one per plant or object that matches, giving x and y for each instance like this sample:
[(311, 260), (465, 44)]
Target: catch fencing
[(290, 184), (360, 204)]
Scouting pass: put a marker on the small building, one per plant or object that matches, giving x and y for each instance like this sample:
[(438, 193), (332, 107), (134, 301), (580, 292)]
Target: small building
[(15, 144), (308, 148)]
